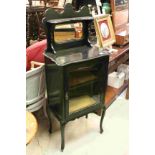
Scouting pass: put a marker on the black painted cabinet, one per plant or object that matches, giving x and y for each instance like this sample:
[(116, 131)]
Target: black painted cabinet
[(76, 71), (76, 89)]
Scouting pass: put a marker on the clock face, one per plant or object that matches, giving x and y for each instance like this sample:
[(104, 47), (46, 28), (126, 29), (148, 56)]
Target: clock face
[(104, 30)]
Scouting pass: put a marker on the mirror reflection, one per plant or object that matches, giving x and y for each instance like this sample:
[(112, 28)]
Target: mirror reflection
[(68, 32)]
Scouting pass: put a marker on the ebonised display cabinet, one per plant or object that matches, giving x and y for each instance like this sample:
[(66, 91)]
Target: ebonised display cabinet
[(76, 71)]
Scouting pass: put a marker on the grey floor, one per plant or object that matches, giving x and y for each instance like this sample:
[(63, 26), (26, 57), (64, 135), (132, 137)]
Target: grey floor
[(82, 136)]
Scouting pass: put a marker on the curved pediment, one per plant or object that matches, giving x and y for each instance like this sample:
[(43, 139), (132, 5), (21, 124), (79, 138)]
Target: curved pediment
[(68, 12)]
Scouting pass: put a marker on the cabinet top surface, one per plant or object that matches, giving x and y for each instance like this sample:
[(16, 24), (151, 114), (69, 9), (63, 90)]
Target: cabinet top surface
[(77, 54), (58, 21)]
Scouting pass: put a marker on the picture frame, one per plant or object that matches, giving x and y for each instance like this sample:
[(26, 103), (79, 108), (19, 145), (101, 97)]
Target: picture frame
[(104, 30)]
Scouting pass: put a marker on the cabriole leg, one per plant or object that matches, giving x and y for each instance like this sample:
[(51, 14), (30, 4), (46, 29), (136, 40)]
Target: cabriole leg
[(102, 116), (62, 137)]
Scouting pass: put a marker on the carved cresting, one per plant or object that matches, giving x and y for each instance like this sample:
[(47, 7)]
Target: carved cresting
[(68, 12)]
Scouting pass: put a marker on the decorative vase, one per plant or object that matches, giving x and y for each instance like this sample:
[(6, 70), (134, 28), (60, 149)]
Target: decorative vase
[(106, 8)]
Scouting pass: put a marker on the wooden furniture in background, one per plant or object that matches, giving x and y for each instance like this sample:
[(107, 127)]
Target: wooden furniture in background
[(112, 93), (33, 24), (121, 57), (120, 17), (34, 15)]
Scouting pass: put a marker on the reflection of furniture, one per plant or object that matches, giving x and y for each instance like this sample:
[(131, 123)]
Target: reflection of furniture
[(31, 126), (35, 88), (76, 73)]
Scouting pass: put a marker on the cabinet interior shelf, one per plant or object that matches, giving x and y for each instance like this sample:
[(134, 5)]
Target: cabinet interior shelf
[(79, 103), (81, 78), (79, 86)]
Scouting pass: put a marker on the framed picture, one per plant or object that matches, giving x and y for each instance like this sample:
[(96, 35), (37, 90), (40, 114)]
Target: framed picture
[(104, 30)]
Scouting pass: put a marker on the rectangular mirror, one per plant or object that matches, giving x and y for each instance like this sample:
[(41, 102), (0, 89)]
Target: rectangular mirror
[(68, 32)]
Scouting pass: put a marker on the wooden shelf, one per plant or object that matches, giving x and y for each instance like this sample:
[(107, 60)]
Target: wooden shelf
[(119, 53), (120, 57), (79, 103), (81, 77), (113, 93)]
